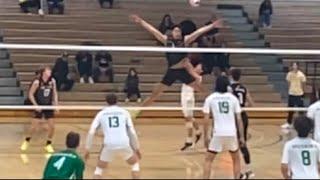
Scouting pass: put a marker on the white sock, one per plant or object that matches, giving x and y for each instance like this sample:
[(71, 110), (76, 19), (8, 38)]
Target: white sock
[(189, 140)]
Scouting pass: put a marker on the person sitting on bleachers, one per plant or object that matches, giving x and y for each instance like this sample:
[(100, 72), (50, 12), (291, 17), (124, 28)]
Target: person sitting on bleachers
[(84, 62), (27, 5), (132, 85), (166, 24), (104, 70), (106, 3), (61, 74), (265, 12), (56, 5)]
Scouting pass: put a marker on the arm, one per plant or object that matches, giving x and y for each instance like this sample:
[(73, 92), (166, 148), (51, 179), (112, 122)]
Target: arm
[(250, 100), (32, 91), (288, 79), (192, 37), (80, 169), (94, 126), (206, 125), (134, 142), (155, 32), (55, 93), (284, 171), (240, 126)]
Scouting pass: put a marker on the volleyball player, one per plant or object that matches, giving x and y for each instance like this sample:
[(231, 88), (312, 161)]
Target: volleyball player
[(244, 97), (43, 91), (66, 164), (226, 112), (301, 155), (179, 65), (314, 114), (188, 103), (120, 138)]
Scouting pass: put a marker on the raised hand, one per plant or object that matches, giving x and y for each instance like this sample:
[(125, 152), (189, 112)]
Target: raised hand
[(218, 23), (135, 18)]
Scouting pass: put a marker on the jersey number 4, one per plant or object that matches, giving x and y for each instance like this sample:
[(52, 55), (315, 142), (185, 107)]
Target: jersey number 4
[(224, 107), (114, 122)]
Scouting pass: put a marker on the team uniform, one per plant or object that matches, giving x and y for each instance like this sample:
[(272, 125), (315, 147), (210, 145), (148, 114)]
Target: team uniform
[(116, 123), (44, 96), (241, 93), (314, 114), (223, 107), (302, 156), (66, 164), (187, 100), (173, 58)]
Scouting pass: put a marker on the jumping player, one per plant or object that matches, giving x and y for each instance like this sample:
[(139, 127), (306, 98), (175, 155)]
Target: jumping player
[(314, 114), (119, 138), (188, 103), (43, 91), (66, 164), (226, 112), (244, 97), (301, 155), (179, 65)]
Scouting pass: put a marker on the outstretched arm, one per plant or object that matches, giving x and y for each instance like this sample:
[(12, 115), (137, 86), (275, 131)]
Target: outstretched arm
[(155, 32), (192, 37)]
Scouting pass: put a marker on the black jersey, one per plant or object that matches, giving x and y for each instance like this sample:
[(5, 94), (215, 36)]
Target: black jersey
[(175, 57), (240, 92), (44, 93)]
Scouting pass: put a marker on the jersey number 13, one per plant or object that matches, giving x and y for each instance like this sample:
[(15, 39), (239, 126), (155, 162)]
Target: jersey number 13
[(114, 122)]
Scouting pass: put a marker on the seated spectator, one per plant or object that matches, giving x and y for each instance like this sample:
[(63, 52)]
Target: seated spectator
[(27, 5), (132, 85), (54, 5), (84, 63), (61, 74), (106, 3), (265, 12), (166, 24), (104, 70)]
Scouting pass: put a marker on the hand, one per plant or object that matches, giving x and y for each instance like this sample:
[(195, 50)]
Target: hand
[(138, 153), (38, 109), (86, 155), (242, 142), (57, 111), (218, 23), (135, 18)]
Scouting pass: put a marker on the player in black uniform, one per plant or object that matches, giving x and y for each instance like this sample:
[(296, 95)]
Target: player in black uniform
[(179, 65), (243, 95), (43, 91)]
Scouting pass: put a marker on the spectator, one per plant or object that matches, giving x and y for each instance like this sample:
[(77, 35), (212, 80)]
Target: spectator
[(56, 4), (61, 74), (209, 60), (27, 5), (166, 24), (104, 2), (187, 27), (265, 12), (84, 61), (296, 82), (104, 70), (132, 85)]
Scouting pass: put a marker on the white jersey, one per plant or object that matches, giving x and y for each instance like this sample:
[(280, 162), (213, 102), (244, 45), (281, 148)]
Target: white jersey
[(114, 122), (223, 107), (314, 114), (302, 156)]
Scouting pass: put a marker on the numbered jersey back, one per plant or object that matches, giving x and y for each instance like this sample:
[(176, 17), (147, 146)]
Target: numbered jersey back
[(240, 92), (114, 122), (223, 106)]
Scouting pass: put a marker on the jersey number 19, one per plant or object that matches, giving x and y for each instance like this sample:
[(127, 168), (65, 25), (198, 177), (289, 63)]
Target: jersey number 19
[(224, 107)]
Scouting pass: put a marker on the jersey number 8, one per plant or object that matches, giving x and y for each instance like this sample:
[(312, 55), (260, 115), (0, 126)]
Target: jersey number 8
[(306, 158)]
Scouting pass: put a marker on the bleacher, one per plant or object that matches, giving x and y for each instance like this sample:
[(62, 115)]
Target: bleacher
[(85, 21)]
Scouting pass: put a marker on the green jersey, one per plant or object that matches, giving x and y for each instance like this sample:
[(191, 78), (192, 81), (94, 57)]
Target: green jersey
[(66, 164)]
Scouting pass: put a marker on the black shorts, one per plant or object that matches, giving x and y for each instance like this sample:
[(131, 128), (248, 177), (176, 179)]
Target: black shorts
[(173, 75), (44, 114)]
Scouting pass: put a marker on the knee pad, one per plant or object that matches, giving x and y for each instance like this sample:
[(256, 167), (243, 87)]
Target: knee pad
[(189, 124), (98, 171), (135, 167)]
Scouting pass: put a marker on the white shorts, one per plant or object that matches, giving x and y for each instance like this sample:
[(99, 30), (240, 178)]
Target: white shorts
[(107, 154), (187, 103), (223, 143)]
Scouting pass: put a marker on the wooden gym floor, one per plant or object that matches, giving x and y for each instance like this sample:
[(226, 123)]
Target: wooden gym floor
[(160, 146)]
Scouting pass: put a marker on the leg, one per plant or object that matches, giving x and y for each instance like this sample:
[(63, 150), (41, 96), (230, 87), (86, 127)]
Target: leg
[(210, 156), (155, 94), (300, 103), (189, 127), (236, 164), (290, 113), (134, 162), (268, 18), (35, 123), (102, 165)]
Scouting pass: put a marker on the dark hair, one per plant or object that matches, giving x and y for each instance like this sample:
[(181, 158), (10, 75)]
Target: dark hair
[(135, 72), (72, 140), (112, 99), (65, 54), (236, 74), (162, 27), (187, 27), (303, 125), (222, 84)]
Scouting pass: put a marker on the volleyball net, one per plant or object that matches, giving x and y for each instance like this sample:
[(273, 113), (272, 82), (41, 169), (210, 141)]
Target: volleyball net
[(263, 72)]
